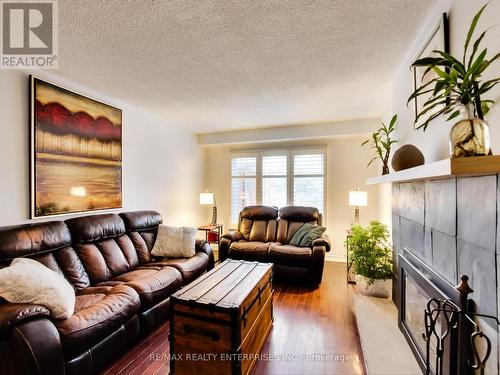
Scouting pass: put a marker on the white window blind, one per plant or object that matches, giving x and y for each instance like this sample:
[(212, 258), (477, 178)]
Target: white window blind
[(308, 180), (278, 178), (243, 184), (274, 180)]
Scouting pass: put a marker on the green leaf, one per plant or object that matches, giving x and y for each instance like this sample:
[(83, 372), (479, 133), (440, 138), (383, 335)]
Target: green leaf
[(453, 115), (393, 122), (420, 90), (485, 107), (441, 73), (429, 108), (425, 61), (476, 46), (451, 61), (471, 29), (476, 65)]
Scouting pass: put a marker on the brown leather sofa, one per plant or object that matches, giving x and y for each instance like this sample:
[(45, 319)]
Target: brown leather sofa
[(264, 234), (122, 292)]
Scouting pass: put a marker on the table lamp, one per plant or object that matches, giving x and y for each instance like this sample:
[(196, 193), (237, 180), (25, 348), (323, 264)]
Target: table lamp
[(209, 198), (357, 199)]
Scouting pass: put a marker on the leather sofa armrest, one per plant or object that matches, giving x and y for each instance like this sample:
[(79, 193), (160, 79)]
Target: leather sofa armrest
[(225, 242), (202, 246), (15, 313), (322, 241), (32, 347), (317, 264), (233, 236)]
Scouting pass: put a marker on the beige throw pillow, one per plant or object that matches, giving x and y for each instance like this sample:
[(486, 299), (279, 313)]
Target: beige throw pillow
[(29, 281), (175, 242)]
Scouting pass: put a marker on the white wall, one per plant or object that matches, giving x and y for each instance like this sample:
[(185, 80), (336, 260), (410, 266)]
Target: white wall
[(162, 163), (346, 167), (434, 142)]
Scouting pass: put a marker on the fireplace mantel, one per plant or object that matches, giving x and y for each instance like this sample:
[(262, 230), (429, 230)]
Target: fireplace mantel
[(447, 168)]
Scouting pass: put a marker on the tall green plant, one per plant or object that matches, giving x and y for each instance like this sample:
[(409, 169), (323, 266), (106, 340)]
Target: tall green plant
[(370, 252), (458, 81), (381, 142)]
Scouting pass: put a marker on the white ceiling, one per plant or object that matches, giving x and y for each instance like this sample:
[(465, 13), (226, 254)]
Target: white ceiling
[(224, 64)]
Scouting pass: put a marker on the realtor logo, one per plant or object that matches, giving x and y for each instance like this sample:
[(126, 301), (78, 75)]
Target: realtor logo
[(29, 34)]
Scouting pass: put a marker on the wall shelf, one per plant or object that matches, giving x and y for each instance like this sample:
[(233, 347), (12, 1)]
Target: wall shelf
[(447, 168)]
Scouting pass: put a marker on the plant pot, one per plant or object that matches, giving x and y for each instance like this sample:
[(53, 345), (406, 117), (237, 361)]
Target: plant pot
[(470, 136), (379, 288)]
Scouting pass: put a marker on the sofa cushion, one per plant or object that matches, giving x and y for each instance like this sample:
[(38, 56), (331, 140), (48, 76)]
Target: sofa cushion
[(50, 244), (142, 228), (138, 221), (252, 250), (306, 234), (99, 311), (28, 281), (190, 268), (102, 245), (175, 242), (258, 223), (301, 214), (153, 283), (289, 255)]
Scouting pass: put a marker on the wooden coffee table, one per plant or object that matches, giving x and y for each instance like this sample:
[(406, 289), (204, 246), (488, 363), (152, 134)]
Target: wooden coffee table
[(220, 322)]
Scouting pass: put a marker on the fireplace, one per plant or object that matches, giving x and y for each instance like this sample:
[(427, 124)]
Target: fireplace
[(419, 284), (436, 319)]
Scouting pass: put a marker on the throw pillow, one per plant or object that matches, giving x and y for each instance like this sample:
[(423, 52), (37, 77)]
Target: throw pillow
[(310, 236), (306, 234), (175, 242), (29, 281)]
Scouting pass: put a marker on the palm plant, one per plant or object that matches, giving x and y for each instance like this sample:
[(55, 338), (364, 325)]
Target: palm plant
[(458, 82), (381, 142)]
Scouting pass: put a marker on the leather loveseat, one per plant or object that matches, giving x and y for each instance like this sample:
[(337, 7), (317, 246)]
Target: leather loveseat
[(264, 234), (122, 292)]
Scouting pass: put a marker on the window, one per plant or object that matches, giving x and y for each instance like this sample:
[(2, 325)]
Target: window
[(278, 178), (243, 184), (308, 180), (274, 180)]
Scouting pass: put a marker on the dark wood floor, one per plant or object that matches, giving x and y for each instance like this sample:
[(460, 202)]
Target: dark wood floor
[(314, 332)]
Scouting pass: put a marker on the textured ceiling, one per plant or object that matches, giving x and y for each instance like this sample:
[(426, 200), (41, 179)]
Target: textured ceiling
[(225, 64)]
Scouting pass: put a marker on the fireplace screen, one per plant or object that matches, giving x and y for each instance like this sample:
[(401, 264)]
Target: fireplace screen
[(415, 303)]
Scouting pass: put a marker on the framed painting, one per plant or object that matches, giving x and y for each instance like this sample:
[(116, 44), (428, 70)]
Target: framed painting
[(76, 152), (438, 39)]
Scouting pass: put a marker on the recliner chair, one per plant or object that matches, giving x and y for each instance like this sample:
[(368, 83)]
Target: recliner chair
[(264, 234)]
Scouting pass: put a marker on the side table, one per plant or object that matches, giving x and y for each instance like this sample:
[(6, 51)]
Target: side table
[(207, 228)]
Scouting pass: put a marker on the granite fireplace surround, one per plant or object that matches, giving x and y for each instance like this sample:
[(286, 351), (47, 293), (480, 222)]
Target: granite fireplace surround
[(451, 224)]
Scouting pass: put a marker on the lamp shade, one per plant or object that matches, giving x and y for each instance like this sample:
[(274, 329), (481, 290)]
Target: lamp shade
[(358, 198), (207, 198)]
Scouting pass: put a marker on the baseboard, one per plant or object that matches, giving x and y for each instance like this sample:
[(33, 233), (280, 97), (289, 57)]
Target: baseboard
[(335, 258)]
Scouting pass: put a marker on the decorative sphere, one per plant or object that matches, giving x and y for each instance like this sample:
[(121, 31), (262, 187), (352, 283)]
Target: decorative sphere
[(407, 156)]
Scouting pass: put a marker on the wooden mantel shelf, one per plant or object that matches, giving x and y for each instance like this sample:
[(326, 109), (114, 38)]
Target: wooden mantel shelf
[(447, 168)]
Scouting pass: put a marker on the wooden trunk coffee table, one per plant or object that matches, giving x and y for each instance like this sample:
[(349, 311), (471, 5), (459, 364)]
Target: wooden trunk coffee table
[(220, 322)]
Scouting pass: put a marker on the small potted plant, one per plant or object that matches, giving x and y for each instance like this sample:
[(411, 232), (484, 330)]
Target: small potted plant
[(456, 90), (382, 142), (371, 256)]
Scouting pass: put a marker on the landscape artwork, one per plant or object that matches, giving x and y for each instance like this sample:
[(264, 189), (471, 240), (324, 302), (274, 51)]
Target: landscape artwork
[(76, 146)]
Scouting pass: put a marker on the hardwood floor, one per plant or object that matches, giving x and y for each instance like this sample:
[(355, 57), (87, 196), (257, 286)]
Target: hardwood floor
[(314, 332)]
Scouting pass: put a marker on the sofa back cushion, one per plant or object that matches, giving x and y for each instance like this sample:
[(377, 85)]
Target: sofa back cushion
[(258, 223), (142, 228), (103, 246), (292, 218), (50, 244)]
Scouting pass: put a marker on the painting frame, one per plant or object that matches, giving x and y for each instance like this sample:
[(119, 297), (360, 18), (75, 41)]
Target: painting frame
[(438, 38), (117, 162)]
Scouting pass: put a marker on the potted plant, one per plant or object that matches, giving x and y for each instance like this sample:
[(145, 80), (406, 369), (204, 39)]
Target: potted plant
[(381, 142), (371, 256), (457, 90)]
